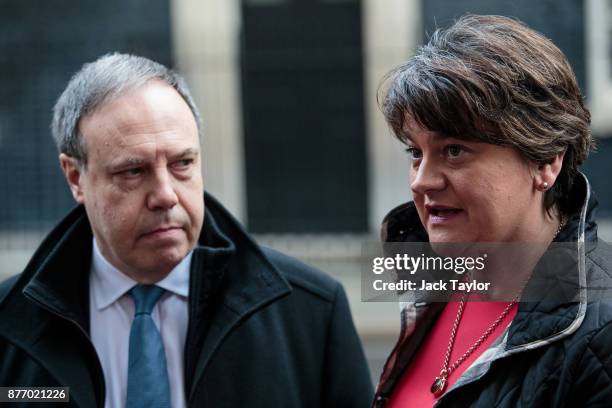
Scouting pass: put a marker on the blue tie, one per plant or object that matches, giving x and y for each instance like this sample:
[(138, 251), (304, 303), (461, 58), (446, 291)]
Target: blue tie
[(147, 384)]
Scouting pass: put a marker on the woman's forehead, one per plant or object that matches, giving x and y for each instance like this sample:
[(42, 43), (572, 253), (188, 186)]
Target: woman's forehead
[(413, 131)]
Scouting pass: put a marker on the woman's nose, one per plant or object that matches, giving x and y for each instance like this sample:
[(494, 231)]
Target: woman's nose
[(426, 177)]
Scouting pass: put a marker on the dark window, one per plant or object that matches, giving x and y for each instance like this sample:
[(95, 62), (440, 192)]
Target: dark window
[(303, 116), (42, 43)]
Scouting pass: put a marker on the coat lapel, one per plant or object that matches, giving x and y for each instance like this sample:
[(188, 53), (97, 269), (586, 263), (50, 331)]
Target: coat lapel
[(230, 280), (227, 316)]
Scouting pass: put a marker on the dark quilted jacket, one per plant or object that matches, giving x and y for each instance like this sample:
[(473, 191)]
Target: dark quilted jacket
[(554, 354)]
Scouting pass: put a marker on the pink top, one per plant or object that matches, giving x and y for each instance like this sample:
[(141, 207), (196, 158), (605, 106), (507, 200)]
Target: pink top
[(413, 390)]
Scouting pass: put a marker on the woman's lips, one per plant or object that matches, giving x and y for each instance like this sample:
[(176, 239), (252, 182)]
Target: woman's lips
[(440, 216)]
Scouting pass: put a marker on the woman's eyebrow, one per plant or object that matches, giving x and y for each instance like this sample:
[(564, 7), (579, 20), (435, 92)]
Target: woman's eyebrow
[(436, 136)]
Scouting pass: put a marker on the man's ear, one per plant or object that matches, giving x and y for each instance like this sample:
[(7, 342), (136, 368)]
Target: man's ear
[(73, 172), (546, 174)]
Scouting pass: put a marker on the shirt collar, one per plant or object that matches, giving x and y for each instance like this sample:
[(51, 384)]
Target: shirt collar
[(109, 283), (177, 280)]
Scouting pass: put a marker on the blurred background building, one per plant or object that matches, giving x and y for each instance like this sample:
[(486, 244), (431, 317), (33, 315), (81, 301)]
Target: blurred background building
[(294, 144)]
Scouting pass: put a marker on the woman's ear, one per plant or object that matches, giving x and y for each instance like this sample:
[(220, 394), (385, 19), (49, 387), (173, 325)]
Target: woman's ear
[(546, 174)]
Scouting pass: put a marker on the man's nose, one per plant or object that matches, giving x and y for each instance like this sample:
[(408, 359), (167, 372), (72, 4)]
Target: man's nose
[(426, 178), (162, 195)]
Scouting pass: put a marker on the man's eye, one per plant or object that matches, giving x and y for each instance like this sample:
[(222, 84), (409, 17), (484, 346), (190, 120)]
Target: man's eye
[(133, 172), (183, 164), (454, 151), (414, 153)]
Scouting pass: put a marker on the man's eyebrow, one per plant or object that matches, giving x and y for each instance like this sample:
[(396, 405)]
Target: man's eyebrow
[(190, 151), (122, 163), (126, 162)]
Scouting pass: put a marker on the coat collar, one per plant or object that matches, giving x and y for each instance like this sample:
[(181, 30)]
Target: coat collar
[(238, 280), (555, 321), (230, 278)]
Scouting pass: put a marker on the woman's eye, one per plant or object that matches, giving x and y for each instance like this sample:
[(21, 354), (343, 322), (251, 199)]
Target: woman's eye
[(454, 151), (414, 153)]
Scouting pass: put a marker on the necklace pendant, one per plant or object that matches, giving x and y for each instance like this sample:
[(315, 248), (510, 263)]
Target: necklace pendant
[(438, 386)]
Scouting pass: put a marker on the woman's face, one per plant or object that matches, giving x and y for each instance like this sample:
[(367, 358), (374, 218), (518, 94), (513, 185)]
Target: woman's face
[(471, 192)]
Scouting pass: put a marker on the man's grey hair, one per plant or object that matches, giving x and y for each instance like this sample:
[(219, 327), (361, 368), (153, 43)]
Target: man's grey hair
[(98, 82)]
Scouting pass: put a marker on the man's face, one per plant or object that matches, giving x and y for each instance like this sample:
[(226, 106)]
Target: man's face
[(142, 188)]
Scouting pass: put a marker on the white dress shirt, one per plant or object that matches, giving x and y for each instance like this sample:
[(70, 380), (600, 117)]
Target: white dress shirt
[(111, 315)]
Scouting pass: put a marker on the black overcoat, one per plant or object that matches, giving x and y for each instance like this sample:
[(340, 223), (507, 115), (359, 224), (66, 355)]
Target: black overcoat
[(264, 329)]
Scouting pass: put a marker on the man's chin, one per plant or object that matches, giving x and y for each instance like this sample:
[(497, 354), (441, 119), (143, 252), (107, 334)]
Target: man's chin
[(153, 267)]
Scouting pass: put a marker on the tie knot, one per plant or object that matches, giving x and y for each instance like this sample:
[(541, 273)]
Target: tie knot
[(145, 297)]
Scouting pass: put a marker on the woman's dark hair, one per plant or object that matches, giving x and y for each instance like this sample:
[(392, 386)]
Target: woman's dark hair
[(492, 79)]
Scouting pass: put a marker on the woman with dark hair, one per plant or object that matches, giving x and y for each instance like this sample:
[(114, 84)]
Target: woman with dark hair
[(496, 129)]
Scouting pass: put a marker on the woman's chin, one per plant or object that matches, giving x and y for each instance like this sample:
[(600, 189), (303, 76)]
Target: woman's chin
[(446, 236), (450, 244)]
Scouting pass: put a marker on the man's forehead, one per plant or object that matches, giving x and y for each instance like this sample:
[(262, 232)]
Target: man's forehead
[(136, 156), (167, 143), (152, 94), (142, 114)]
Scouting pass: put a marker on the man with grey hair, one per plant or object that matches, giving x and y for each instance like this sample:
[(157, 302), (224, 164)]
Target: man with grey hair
[(149, 293)]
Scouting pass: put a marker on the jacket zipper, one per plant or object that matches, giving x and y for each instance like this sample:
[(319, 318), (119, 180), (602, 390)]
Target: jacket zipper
[(51, 310)]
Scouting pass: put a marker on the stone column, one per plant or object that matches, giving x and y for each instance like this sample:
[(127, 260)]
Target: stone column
[(598, 14), (392, 30), (206, 50)]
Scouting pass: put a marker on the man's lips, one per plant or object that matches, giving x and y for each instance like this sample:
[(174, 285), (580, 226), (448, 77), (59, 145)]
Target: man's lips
[(162, 231)]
